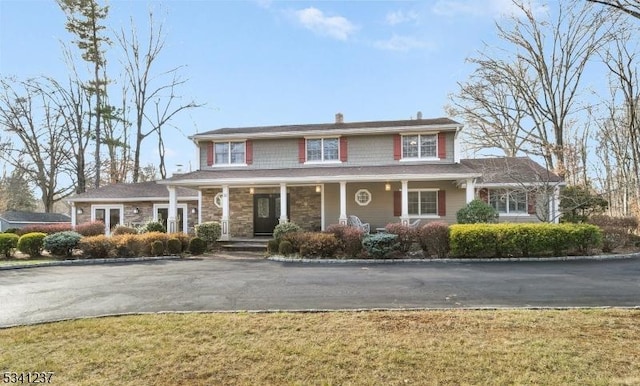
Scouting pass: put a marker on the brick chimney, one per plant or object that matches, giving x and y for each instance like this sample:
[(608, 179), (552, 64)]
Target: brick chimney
[(339, 118)]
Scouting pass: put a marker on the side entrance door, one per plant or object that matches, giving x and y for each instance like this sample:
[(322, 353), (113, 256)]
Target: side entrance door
[(266, 213)]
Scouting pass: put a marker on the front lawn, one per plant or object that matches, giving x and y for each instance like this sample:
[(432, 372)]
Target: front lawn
[(425, 347)]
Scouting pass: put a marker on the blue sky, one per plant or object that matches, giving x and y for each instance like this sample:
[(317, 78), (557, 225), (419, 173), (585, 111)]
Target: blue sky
[(270, 62)]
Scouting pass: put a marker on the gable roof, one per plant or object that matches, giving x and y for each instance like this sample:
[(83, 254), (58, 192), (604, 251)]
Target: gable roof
[(509, 170), (140, 191), (350, 127), (15, 216)]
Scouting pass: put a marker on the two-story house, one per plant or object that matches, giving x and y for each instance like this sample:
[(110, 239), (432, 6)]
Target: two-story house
[(252, 178)]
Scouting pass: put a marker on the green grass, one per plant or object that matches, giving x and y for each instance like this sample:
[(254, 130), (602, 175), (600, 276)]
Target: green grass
[(20, 262), (586, 347)]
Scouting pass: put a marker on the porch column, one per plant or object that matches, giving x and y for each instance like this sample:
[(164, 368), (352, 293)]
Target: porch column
[(224, 221), (471, 187), (73, 215), (343, 203), (555, 202), (404, 217), (173, 210), (283, 203)]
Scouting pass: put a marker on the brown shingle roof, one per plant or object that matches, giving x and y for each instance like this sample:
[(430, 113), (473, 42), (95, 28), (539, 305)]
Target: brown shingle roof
[(510, 170), (140, 190), (328, 126)]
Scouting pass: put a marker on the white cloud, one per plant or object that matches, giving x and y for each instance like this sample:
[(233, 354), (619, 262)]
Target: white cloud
[(336, 27), (402, 43), (399, 17), (494, 8)]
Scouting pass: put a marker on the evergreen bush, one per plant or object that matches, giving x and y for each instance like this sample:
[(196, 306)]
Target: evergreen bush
[(477, 211), (8, 243), (284, 228), (285, 248), (174, 246), (152, 226), (197, 246), (157, 248), (31, 243), (379, 245), (123, 230), (62, 243), (97, 247), (209, 232)]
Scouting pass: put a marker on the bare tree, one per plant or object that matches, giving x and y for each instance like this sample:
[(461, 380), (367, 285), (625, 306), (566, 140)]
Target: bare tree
[(155, 101), (541, 63), (37, 146), (631, 7)]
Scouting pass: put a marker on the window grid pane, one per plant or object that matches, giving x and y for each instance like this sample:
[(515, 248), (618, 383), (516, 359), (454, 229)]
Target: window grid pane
[(237, 152), (410, 146), (414, 203), (314, 150), (427, 146), (428, 203), (222, 153), (330, 149)]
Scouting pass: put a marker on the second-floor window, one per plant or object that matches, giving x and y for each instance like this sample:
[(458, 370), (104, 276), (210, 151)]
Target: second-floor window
[(228, 153), (420, 146), (322, 149)]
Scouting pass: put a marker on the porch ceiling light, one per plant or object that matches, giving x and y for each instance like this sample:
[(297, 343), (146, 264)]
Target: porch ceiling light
[(318, 188), (252, 190), (387, 186)]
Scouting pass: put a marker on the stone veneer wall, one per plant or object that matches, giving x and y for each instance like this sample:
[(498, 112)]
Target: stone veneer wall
[(305, 207)]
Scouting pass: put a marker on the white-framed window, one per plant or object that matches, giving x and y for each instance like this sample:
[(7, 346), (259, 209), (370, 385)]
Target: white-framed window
[(161, 214), (229, 153), (508, 201), (417, 146), (363, 197), (217, 200), (323, 149), (110, 215), (423, 202)]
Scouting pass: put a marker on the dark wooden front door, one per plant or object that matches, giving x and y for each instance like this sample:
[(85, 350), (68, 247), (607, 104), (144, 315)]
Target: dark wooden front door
[(266, 213)]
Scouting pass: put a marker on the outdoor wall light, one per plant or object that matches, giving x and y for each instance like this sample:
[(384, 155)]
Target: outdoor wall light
[(79, 211), (194, 210), (136, 210), (387, 186), (251, 191), (318, 188)]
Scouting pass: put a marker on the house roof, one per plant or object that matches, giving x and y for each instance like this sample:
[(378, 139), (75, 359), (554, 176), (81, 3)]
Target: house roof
[(509, 170), (320, 174), (15, 216), (351, 127), (132, 192)]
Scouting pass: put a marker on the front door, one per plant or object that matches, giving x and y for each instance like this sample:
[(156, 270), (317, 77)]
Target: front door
[(266, 213)]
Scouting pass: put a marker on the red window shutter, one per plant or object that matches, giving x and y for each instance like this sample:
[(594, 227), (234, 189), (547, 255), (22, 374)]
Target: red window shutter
[(248, 152), (531, 203), (442, 145), (484, 194), (343, 149), (397, 147), (209, 153), (397, 203), (442, 203), (302, 153)]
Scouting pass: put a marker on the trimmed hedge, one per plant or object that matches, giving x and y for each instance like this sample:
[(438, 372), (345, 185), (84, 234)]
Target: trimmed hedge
[(124, 230), (209, 232), (31, 243), (93, 228), (512, 240), (406, 235), (282, 229), (197, 246), (152, 226), (8, 243), (349, 238), (434, 239), (379, 245), (98, 247), (44, 228)]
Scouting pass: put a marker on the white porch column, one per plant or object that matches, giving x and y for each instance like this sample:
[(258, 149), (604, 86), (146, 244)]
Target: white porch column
[(74, 220), (173, 210), (283, 203), (343, 203), (471, 187), (224, 221), (404, 217), (555, 202)]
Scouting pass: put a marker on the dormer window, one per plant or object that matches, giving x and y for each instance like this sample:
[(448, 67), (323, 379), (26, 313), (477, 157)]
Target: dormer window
[(322, 149), (229, 153), (419, 146)]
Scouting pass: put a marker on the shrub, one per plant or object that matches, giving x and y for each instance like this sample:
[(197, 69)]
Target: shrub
[(45, 228), (147, 239), (316, 244), (31, 243), (586, 237), (97, 247), (349, 238), (152, 226), (174, 246), (184, 239), (472, 240), (127, 245), (209, 232), (285, 248), (577, 203), (379, 245), (94, 228), (434, 239), (123, 230), (477, 211), (284, 228), (273, 246), (62, 243), (616, 231), (197, 246), (12, 230), (406, 235), (157, 248), (8, 243)]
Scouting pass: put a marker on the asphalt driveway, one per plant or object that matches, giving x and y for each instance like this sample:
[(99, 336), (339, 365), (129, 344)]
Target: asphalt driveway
[(54, 293)]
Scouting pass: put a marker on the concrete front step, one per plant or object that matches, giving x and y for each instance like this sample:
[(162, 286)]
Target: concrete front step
[(252, 245)]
